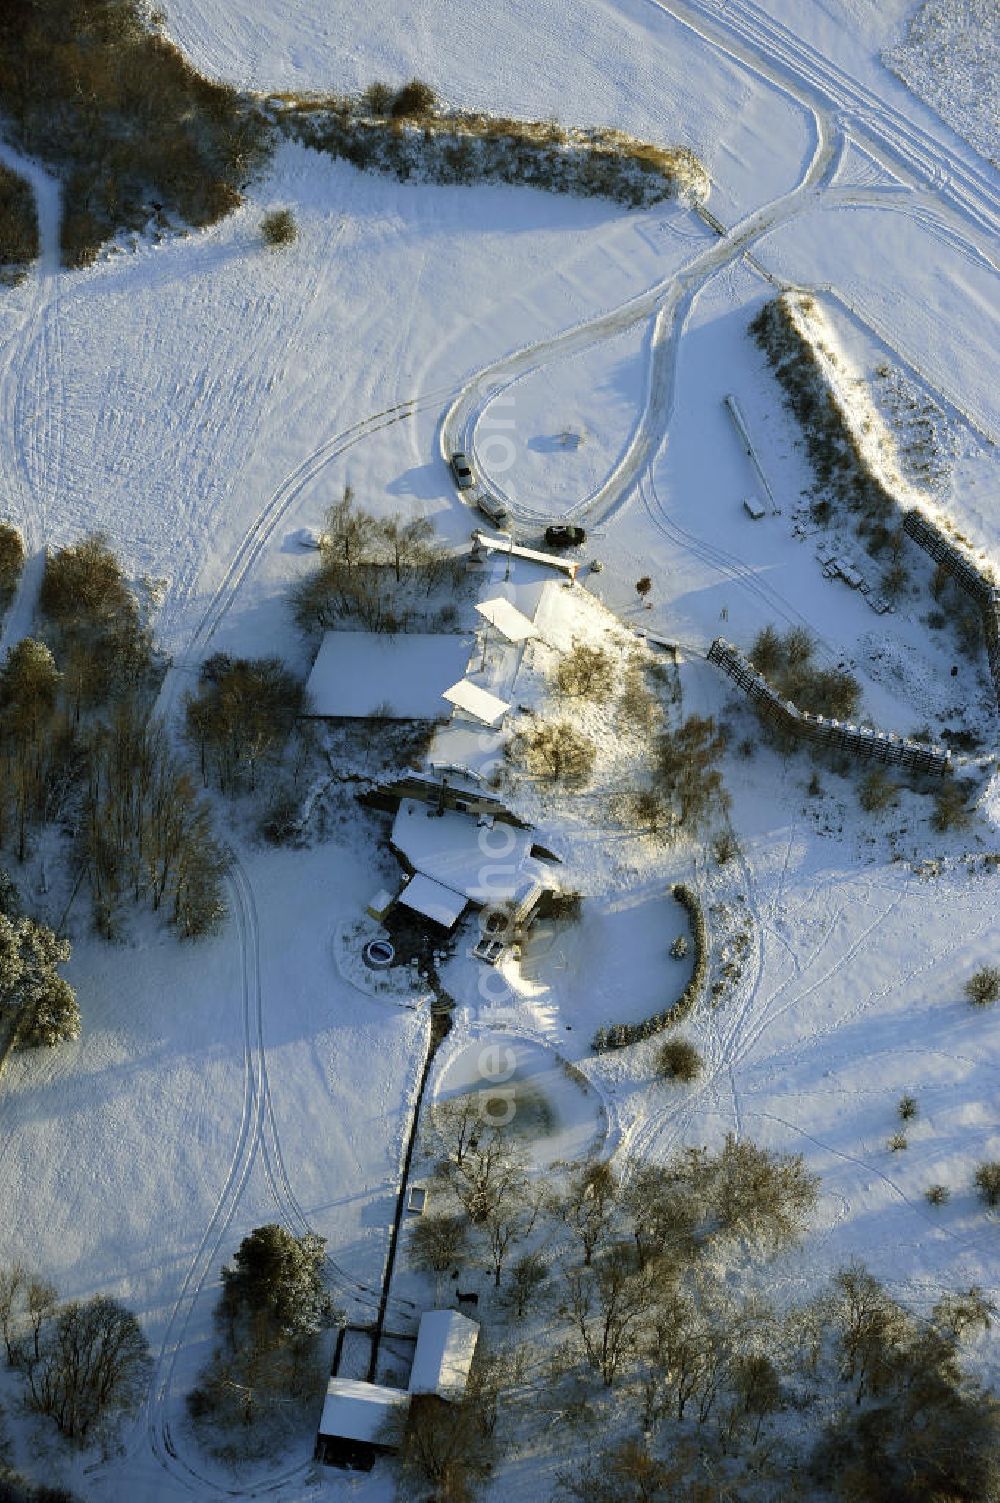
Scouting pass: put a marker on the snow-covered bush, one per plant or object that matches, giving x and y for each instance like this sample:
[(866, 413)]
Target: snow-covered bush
[(279, 227), (983, 986)]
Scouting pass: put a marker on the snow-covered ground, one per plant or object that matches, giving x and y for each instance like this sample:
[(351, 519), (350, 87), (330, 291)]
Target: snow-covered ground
[(201, 399)]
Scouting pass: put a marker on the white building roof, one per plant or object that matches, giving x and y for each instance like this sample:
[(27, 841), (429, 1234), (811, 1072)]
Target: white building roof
[(453, 849), (435, 901), (359, 672), (479, 703), (359, 1411), (446, 1344), (508, 620), (503, 545)]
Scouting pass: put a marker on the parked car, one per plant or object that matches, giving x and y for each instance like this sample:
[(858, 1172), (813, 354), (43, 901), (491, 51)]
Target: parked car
[(462, 470), (495, 510), (564, 535)]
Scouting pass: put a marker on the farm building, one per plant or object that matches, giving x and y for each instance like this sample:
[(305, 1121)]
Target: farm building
[(367, 675), (458, 859), (358, 1423), (446, 1345), (362, 1421)]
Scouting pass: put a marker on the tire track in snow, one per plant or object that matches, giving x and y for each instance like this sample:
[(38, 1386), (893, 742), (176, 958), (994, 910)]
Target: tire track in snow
[(261, 529)]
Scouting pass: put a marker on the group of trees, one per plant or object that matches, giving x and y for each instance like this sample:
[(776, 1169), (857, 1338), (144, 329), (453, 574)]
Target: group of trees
[(372, 569), (787, 662), (84, 1363), (241, 717), (145, 837), (271, 1311), (97, 92), (632, 1283), (78, 745)]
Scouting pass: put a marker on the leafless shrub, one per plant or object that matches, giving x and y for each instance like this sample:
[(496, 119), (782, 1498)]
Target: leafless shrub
[(279, 227), (555, 752), (586, 672), (678, 1059), (983, 986)]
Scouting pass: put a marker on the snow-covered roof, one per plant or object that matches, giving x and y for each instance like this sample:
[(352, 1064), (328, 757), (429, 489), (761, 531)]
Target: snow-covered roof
[(357, 673), (358, 1411), (477, 702), (508, 620), (435, 901), (453, 849), (503, 545), (446, 1344)]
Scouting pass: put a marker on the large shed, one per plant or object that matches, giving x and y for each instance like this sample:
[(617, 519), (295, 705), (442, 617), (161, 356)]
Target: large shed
[(446, 1345), (369, 674), (360, 1422)]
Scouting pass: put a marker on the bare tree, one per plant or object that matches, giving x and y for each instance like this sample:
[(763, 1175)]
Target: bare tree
[(586, 672), (40, 1299), (13, 1282), (438, 1241), (607, 1303), (872, 1328), (587, 1205), (93, 1364)]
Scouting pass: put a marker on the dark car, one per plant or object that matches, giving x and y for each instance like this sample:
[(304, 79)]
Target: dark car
[(564, 535), (462, 470)]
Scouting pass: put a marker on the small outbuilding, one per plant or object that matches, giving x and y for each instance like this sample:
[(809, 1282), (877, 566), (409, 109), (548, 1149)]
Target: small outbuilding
[(446, 1345), (476, 703), (360, 1422)]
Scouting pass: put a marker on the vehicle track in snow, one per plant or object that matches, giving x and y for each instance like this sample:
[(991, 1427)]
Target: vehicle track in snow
[(262, 528), (746, 33)]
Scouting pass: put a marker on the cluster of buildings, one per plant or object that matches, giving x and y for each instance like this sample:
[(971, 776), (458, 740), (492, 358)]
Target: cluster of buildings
[(363, 1420)]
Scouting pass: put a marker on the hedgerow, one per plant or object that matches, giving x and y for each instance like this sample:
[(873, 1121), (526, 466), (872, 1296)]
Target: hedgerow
[(620, 1035)]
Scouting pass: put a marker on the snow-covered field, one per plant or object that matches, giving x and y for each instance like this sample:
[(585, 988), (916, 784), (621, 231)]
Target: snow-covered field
[(202, 399)]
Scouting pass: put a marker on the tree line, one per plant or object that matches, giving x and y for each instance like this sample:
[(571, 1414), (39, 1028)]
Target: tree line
[(78, 747)]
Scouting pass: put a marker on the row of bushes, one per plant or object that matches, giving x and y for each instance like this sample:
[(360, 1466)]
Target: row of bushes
[(834, 449), (18, 226), (463, 147), (620, 1035)]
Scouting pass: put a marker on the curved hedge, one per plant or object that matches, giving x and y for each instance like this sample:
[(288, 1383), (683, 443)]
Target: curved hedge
[(620, 1035), (461, 147)]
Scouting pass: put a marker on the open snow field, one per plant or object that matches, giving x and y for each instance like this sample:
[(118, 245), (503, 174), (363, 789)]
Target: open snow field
[(201, 400)]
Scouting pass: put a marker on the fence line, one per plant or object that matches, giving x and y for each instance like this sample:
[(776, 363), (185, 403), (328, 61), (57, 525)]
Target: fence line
[(967, 575), (835, 735)]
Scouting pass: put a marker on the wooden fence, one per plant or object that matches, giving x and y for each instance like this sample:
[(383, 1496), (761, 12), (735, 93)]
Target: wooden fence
[(855, 741), (967, 575)]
